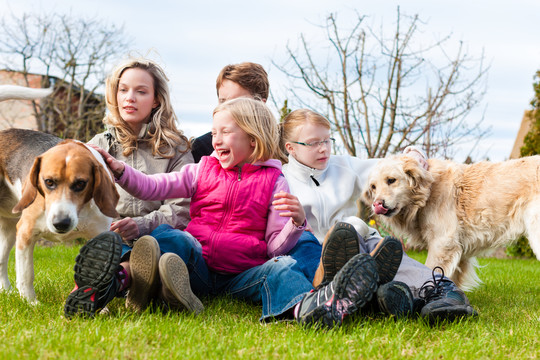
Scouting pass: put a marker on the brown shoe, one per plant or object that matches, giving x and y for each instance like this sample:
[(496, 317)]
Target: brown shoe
[(175, 287), (143, 264), (387, 254), (339, 246)]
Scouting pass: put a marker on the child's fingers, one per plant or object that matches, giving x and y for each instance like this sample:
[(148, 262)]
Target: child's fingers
[(282, 194)]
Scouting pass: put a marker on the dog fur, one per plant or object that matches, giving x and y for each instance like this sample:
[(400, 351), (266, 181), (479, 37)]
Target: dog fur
[(15, 92), (458, 211), (51, 189)]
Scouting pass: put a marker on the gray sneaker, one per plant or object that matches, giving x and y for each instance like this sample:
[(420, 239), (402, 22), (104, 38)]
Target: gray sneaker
[(388, 255), (444, 300), (351, 289), (143, 264), (339, 246), (395, 298), (175, 288)]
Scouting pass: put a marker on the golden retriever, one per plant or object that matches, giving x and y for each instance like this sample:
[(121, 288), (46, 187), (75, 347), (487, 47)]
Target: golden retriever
[(457, 211)]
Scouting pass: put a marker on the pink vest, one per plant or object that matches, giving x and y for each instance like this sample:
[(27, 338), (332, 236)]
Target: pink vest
[(229, 212)]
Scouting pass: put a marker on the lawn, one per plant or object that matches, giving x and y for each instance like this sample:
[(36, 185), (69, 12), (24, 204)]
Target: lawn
[(508, 325)]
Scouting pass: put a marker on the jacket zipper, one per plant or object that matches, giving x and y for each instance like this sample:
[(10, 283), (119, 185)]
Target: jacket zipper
[(231, 191)]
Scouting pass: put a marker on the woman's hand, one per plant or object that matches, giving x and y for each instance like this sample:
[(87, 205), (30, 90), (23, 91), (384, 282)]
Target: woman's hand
[(127, 228), (291, 206), (418, 155), (117, 167)]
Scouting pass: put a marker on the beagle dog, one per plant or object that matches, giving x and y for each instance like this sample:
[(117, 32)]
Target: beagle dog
[(51, 189)]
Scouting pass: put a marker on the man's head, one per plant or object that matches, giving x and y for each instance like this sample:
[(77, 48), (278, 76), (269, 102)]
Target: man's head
[(246, 79)]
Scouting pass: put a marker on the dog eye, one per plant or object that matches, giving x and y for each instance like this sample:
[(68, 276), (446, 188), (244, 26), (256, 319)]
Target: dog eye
[(49, 183), (373, 187), (78, 185), (390, 181)]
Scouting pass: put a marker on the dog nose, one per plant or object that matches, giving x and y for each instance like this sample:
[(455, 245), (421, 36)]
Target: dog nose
[(62, 225)]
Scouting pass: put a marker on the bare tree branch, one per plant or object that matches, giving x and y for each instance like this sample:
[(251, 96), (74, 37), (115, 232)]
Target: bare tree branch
[(382, 93), (74, 53)]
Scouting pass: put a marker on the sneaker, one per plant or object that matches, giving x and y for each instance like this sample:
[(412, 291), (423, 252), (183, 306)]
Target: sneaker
[(388, 255), (395, 298), (351, 289), (443, 299), (97, 279), (339, 246), (175, 288), (143, 264)]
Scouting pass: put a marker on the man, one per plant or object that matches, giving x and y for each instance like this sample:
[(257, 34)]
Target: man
[(246, 79)]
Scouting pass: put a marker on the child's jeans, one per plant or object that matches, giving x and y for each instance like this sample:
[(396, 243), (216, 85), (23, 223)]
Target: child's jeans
[(278, 284), (307, 254)]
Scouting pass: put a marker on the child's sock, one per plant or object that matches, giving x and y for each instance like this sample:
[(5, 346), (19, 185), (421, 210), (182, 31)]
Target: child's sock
[(296, 309), (123, 276)]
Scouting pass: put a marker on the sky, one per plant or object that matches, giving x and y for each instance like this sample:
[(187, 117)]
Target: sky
[(193, 40)]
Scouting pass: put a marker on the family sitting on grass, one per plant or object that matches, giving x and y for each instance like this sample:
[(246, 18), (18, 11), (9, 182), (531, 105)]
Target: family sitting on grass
[(272, 217)]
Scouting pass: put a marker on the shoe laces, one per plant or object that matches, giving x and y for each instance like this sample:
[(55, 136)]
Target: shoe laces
[(434, 289)]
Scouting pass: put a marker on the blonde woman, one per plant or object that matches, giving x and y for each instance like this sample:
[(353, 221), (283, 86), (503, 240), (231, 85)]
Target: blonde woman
[(142, 132)]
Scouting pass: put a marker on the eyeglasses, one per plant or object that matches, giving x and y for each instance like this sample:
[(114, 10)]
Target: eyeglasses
[(317, 144)]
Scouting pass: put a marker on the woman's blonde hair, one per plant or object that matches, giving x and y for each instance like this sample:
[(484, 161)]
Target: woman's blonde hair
[(294, 120), (163, 135), (254, 117)]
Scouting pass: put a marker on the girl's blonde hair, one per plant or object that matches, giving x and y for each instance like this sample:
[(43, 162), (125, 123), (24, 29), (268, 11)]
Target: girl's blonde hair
[(254, 117), (163, 135), (296, 119)]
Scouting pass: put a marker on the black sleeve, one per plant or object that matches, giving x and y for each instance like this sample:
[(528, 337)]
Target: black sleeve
[(202, 146)]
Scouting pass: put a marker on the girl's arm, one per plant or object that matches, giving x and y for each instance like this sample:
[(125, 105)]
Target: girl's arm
[(179, 184), (286, 220)]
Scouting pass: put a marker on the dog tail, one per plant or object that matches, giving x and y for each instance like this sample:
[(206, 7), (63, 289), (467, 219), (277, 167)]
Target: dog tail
[(15, 92), (468, 279)]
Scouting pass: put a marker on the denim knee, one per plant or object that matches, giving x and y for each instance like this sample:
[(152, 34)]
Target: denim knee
[(178, 242)]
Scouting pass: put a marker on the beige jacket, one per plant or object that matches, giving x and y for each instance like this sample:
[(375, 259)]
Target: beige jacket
[(147, 214)]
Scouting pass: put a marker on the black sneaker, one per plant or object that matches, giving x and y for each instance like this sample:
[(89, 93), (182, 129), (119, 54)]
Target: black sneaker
[(175, 289), (351, 289), (339, 246), (443, 299), (388, 255), (143, 265), (96, 275), (395, 298)]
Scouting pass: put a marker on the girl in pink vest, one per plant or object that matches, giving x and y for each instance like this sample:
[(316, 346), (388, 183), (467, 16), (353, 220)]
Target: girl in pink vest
[(243, 221)]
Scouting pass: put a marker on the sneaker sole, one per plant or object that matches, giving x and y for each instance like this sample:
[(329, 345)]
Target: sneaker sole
[(95, 266), (449, 313), (355, 286), (395, 298), (388, 255), (341, 246), (143, 264), (175, 276)]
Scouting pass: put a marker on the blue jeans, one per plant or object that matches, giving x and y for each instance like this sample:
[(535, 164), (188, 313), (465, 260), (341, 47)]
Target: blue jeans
[(307, 254), (278, 284)]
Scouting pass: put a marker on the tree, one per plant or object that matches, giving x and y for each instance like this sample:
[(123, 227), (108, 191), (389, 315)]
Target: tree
[(531, 146), (73, 55), (384, 93), (531, 142)]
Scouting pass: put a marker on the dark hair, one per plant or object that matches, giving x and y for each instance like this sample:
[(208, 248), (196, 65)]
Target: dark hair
[(248, 75)]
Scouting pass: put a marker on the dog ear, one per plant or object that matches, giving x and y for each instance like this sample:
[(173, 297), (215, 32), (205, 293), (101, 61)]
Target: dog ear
[(105, 193), (30, 187)]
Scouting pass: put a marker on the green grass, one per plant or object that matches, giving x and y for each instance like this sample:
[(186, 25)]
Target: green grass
[(508, 325)]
